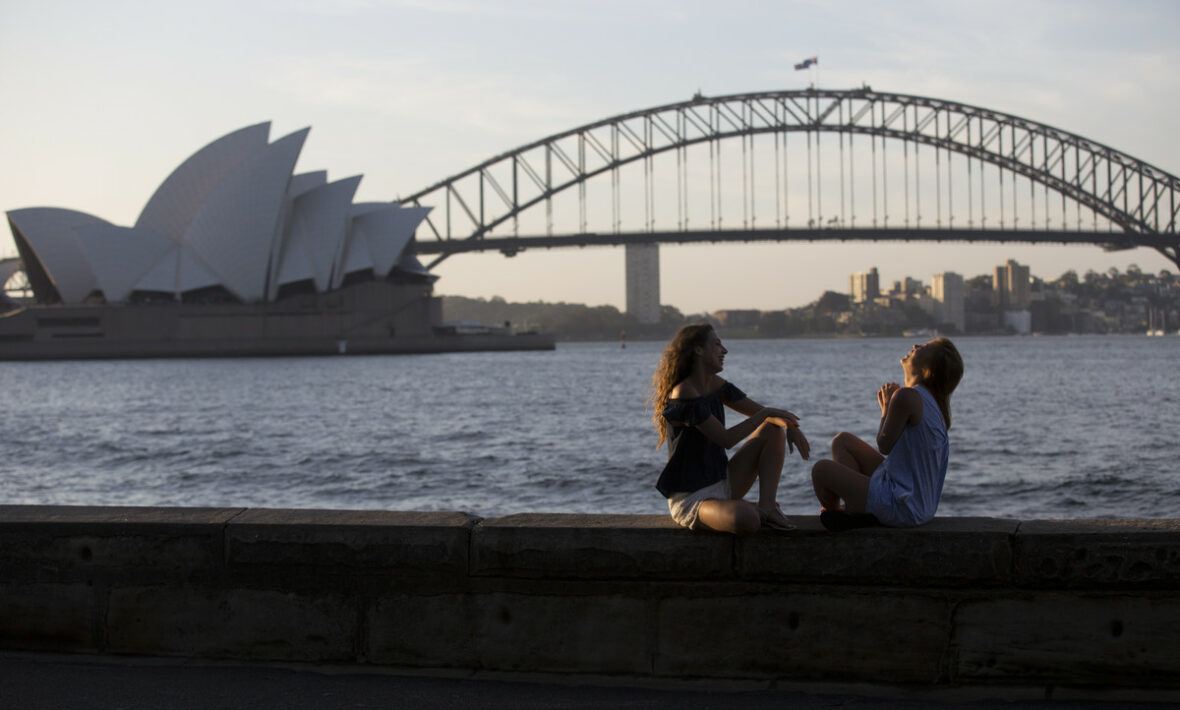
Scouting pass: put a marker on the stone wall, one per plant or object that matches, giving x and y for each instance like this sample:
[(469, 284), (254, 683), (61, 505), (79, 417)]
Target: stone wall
[(962, 601)]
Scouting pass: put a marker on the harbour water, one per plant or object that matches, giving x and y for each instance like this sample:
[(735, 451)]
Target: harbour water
[(1044, 427)]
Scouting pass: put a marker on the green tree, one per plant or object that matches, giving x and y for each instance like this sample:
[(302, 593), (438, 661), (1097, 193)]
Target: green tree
[(1067, 281), (832, 302), (983, 282)]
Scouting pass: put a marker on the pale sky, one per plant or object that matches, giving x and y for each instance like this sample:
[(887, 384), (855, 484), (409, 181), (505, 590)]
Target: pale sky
[(99, 102)]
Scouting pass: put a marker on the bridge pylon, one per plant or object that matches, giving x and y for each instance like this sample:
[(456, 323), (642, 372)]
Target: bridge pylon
[(643, 282)]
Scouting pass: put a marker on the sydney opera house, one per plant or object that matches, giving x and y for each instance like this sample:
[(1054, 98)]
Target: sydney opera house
[(234, 254)]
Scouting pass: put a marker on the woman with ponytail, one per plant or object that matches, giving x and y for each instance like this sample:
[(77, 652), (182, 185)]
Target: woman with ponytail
[(704, 487), (900, 482)]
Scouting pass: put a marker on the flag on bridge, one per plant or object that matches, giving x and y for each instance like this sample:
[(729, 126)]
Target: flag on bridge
[(806, 63)]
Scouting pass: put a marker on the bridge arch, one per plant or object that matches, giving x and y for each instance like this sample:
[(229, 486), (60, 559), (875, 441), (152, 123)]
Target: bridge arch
[(1133, 196)]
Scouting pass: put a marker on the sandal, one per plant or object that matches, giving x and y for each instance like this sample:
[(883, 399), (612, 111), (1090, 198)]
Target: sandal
[(773, 518)]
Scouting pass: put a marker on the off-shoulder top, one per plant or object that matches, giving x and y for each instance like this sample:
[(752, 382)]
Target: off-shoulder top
[(693, 461)]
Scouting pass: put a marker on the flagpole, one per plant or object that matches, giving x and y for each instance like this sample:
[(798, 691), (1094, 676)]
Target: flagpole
[(810, 63)]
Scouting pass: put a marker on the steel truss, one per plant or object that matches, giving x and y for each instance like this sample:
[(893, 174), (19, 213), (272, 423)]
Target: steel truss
[(1136, 196)]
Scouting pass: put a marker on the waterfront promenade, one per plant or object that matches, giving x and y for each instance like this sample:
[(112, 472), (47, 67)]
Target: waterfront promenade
[(63, 682), (962, 605)]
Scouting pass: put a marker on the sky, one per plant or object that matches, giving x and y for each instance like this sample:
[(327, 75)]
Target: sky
[(99, 102)]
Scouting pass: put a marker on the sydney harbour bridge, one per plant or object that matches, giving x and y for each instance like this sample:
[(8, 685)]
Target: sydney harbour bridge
[(802, 165)]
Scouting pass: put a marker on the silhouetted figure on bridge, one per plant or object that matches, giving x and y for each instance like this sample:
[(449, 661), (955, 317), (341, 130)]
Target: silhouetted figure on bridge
[(703, 486), (900, 482)]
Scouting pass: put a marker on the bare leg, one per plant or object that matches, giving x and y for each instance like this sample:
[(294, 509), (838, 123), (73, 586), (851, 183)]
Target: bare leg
[(733, 516), (846, 477), (834, 482), (761, 457), (853, 452)]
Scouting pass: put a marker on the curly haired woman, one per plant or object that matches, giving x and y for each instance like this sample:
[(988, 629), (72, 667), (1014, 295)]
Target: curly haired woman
[(704, 487)]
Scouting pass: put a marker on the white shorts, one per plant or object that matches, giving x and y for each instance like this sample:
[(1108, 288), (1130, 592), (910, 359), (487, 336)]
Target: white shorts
[(685, 507)]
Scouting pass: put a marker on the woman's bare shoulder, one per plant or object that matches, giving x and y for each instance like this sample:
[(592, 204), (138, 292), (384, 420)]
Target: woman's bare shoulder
[(687, 390), (907, 399)]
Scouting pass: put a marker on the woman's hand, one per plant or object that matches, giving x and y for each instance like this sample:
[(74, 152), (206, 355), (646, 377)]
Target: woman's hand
[(885, 394), (795, 439), (779, 417)]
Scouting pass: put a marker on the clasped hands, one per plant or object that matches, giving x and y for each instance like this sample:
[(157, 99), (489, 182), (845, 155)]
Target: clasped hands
[(885, 394)]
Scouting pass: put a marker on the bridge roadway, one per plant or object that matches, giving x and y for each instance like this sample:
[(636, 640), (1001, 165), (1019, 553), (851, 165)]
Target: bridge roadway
[(513, 245)]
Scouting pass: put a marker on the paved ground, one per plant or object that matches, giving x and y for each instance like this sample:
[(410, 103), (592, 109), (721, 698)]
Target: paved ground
[(53, 682)]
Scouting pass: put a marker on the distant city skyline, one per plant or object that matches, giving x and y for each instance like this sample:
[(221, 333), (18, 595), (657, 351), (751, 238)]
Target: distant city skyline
[(101, 101)]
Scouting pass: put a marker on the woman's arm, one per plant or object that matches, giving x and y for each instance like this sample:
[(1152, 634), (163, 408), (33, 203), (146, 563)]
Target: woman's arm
[(778, 417), (900, 407), (755, 413), (790, 422), (727, 438)]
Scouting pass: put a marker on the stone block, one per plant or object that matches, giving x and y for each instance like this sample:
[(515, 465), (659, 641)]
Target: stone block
[(814, 632), (568, 546), (609, 635), (422, 631), (1098, 553), (48, 617), (81, 518), (233, 623), (1103, 639), (944, 552), (74, 543), (391, 542)]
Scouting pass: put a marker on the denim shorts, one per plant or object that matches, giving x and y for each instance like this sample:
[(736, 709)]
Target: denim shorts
[(685, 507)]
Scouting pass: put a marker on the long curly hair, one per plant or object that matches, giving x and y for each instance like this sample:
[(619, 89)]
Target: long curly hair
[(942, 374), (675, 366)]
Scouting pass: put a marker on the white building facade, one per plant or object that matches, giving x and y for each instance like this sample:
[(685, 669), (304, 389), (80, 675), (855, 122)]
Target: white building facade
[(949, 293), (864, 286)]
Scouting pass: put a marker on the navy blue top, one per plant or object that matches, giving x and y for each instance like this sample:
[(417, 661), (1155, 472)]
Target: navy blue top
[(693, 461)]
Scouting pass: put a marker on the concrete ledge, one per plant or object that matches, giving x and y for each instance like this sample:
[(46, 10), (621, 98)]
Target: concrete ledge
[(425, 543), (962, 601), (564, 546), (1099, 553)]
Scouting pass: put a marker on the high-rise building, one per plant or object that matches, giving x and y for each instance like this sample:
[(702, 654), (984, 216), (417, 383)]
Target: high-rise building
[(864, 286), (643, 282), (1010, 286), (949, 295)]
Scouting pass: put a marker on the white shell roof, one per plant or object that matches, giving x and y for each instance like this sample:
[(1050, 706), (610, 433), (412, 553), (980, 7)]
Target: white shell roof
[(355, 256), (120, 256), (50, 233), (234, 231), (315, 234), (303, 182), (387, 232), (179, 270), (232, 215), (180, 197)]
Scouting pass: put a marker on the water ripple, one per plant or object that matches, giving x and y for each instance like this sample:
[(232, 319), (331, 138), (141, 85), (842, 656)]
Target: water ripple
[(1042, 428)]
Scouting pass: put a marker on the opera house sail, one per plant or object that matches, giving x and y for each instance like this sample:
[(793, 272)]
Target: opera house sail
[(234, 254)]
